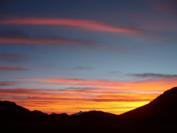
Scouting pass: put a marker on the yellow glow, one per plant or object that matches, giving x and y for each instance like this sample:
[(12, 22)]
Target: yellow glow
[(118, 98)]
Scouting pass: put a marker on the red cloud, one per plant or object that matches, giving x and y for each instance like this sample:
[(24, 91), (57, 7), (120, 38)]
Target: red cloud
[(45, 41), (6, 83), (80, 23)]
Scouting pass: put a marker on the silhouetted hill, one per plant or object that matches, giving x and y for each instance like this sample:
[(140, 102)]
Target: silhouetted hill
[(160, 115), (164, 105)]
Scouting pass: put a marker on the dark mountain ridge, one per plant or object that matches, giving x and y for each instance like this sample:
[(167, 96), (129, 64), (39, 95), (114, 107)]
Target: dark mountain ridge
[(160, 115)]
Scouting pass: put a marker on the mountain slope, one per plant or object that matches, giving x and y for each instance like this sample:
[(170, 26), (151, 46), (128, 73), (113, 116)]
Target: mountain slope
[(164, 105), (160, 115)]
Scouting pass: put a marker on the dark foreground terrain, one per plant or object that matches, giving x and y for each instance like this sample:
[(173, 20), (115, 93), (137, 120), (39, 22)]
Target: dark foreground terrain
[(158, 116)]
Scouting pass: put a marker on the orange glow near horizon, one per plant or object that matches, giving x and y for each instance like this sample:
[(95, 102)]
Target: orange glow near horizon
[(116, 97)]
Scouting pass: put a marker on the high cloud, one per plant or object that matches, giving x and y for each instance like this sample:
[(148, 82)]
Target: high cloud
[(80, 23)]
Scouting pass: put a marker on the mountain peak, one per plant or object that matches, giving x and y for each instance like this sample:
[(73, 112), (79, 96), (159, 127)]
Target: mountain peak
[(11, 106), (172, 91), (163, 107), (169, 97)]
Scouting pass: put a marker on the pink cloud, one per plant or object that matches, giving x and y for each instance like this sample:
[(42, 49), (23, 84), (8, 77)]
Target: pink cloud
[(80, 23), (43, 41)]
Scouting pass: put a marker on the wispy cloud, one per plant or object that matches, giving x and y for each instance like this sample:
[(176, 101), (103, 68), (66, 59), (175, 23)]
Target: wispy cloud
[(7, 83), (80, 23), (19, 37), (45, 41), (82, 68), (63, 100), (154, 75), (12, 68), (86, 94), (76, 81), (65, 95), (114, 86)]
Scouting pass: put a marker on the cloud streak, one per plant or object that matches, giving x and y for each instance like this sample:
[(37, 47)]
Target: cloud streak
[(76, 81), (63, 100), (155, 75), (44, 41), (82, 68), (12, 68), (143, 85), (7, 83), (86, 94), (79, 23)]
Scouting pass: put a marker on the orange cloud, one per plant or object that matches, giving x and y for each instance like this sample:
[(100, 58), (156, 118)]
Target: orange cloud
[(71, 101), (80, 23), (83, 95), (151, 85)]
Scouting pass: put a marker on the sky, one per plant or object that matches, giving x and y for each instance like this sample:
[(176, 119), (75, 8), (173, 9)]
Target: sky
[(80, 55)]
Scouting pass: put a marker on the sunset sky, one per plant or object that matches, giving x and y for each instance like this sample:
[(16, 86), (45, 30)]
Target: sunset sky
[(79, 55)]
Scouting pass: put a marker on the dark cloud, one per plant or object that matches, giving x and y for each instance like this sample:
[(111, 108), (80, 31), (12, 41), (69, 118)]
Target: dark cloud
[(82, 68), (17, 90), (18, 37), (154, 75)]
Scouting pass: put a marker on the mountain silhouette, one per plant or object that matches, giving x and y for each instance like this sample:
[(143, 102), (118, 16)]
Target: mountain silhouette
[(160, 115), (164, 106)]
